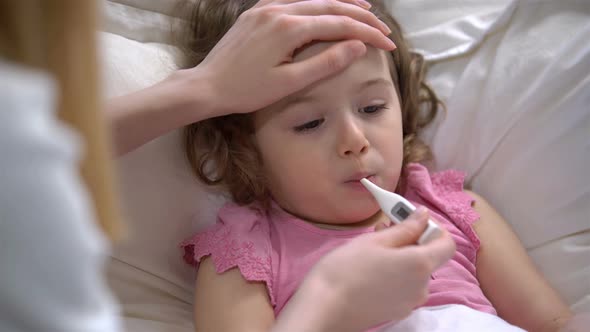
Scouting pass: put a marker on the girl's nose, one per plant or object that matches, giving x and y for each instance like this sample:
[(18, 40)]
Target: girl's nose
[(352, 140)]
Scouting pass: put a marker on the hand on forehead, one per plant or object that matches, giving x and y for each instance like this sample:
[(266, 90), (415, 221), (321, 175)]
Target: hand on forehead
[(375, 64)]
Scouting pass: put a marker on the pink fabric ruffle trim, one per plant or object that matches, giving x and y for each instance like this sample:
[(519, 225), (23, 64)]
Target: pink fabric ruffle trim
[(227, 251), (445, 191)]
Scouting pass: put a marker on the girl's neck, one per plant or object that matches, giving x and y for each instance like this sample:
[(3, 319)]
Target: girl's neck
[(372, 221)]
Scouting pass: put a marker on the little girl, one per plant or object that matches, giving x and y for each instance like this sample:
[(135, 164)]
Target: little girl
[(293, 170)]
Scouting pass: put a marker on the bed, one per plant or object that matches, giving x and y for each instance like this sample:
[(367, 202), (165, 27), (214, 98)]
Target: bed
[(515, 76)]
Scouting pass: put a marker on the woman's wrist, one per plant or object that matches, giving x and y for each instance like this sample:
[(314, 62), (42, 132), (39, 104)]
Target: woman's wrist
[(308, 309), (192, 95), (181, 99), (317, 306)]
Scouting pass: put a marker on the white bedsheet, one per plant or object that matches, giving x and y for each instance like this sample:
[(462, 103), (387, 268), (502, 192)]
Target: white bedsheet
[(450, 318)]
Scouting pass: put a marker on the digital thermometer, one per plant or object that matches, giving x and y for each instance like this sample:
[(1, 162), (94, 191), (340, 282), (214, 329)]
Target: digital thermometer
[(398, 209)]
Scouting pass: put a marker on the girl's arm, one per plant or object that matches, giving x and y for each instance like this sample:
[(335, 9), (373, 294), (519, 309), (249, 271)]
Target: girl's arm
[(509, 278), (227, 302), (373, 278)]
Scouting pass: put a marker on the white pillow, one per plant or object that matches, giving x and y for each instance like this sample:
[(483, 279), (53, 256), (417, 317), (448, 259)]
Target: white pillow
[(163, 202), (474, 45), (520, 104), (161, 199)]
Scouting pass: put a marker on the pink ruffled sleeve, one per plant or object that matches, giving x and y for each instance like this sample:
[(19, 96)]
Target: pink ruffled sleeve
[(444, 190), (241, 239)]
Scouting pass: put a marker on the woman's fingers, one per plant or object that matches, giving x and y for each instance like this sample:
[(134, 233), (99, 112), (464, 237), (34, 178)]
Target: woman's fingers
[(404, 234), (360, 3), (336, 27), (304, 21), (434, 253), (439, 250), (259, 49), (316, 8), (332, 60)]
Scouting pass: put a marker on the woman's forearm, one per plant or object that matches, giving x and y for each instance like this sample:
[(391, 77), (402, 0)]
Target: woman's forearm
[(312, 308), (144, 115)]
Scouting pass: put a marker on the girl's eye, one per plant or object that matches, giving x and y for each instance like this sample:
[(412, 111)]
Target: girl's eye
[(372, 109), (309, 125)]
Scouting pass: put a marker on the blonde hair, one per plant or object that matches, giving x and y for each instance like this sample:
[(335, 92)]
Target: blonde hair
[(59, 36)]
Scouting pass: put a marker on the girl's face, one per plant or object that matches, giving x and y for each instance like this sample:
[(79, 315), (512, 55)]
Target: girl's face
[(318, 143)]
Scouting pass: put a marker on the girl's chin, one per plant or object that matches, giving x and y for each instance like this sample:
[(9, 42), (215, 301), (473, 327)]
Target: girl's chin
[(352, 215), (366, 216), (351, 221)]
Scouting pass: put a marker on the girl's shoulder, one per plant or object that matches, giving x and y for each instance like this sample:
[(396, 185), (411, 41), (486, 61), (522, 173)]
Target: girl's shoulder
[(419, 178), (243, 218), (443, 191), (239, 239), (239, 236)]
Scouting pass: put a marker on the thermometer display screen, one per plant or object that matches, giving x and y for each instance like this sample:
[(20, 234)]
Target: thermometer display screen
[(400, 211)]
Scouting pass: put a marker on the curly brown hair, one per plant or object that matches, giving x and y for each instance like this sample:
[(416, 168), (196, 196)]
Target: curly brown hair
[(227, 141)]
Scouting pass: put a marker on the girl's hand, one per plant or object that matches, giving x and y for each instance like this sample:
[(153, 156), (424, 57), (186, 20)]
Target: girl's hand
[(251, 67), (375, 278)]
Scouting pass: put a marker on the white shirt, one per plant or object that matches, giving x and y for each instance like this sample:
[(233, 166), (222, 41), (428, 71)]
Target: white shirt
[(51, 251)]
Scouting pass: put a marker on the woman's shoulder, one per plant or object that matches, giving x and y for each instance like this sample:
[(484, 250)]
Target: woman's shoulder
[(30, 131)]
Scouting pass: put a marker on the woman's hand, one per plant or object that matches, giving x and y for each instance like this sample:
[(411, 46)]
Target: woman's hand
[(374, 278), (251, 66)]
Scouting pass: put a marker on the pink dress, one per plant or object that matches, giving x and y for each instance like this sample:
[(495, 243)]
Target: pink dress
[(279, 248)]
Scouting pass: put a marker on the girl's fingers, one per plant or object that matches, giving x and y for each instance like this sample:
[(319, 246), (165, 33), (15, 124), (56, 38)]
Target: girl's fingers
[(316, 8), (336, 27), (328, 62)]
